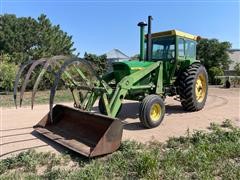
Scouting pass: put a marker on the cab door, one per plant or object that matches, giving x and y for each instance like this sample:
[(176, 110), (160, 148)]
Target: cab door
[(180, 49)]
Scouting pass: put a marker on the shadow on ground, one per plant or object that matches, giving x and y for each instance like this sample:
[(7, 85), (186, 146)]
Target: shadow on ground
[(131, 110), (58, 147)]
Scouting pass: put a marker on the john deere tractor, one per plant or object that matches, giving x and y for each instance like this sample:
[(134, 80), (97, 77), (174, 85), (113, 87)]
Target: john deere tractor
[(167, 66)]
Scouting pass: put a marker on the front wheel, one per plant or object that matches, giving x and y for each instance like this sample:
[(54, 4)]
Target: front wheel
[(151, 111), (193, 87)]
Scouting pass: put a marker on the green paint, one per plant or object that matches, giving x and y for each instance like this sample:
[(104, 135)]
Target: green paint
[(142, 38), (136, 79)]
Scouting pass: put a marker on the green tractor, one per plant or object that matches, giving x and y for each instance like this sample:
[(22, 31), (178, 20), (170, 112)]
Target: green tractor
[(167, 66)]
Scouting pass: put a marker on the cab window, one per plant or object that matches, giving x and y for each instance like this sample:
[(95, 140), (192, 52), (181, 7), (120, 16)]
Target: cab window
[(190, 48), (181, 52), (163, 48)]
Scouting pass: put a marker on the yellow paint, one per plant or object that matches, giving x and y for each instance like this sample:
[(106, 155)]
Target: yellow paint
[(176, 33), (137, 68), (200, 88), (155, 112)]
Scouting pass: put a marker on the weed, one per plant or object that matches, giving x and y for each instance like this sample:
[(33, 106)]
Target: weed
[(227, 124), (29, 161), (55, 174), (147, 164), (94, 170), (201, 155), (214, 126)]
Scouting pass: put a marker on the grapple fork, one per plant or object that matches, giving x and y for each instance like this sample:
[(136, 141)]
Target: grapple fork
[(81, 130)]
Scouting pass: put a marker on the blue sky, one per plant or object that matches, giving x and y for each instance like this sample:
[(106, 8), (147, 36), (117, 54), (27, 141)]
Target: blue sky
[(99, 26)]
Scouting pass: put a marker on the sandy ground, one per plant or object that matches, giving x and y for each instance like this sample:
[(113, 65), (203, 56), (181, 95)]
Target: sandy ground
[(17, 134)]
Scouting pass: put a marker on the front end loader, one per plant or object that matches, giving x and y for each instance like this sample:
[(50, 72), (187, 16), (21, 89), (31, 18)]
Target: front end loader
[(166, 67)]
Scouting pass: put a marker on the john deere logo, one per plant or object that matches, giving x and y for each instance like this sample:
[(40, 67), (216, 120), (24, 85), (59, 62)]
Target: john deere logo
[(137, 68)]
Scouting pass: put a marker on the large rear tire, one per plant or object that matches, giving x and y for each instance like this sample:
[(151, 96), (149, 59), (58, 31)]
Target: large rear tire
[(193, 87), (151, 111)]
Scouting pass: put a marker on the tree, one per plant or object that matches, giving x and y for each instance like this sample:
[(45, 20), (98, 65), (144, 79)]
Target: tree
[(99, 62), (135, 57), (25, 37), (214, 55)]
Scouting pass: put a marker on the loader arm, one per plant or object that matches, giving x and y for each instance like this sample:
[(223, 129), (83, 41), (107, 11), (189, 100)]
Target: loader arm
[(126, 84)]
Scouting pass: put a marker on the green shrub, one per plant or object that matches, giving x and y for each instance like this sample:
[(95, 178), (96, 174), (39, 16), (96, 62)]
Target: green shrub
[(7, 75), (215, 71), (99, 63)]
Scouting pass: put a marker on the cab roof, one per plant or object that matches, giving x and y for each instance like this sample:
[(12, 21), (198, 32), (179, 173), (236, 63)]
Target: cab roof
[(175, 33)]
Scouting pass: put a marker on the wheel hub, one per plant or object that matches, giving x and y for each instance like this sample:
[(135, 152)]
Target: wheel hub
[(155, 112), (200, 88)]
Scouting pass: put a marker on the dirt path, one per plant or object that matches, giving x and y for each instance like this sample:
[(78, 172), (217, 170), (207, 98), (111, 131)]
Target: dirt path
[(16, 133)]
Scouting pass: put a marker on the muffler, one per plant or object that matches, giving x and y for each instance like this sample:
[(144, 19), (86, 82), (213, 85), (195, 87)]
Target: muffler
[(87, 133)]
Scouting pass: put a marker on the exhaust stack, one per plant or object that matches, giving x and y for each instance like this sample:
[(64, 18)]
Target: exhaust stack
[(142, 38), (149, 39)]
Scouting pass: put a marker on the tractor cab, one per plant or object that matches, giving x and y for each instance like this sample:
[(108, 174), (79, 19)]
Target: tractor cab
[(167, 46), (172, 45), (176, 50)]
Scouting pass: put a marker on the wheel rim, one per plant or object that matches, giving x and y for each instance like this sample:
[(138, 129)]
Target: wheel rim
[(155, 112), (200, 88)]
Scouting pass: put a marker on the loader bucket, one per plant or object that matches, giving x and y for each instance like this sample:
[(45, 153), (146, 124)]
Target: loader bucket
[(87, 133)]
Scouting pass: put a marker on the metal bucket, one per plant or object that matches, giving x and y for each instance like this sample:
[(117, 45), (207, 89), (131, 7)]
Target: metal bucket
[(87, 133)]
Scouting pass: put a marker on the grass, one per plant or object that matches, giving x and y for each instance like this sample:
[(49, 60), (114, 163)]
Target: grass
[(42, 97), (202, 155)]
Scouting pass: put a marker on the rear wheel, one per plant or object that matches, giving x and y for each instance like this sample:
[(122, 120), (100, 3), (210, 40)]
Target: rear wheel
[(193, 87), (227, 84), (151, 111)]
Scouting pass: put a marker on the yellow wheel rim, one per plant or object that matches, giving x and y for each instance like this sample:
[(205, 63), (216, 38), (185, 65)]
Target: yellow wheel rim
[(200, 88), (155, 112)]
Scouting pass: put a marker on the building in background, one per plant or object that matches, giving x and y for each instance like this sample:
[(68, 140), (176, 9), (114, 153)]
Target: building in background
[(116, 55)]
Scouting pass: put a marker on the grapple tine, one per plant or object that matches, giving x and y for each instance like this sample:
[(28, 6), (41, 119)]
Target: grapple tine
[(50, 62), (40, 61), (18, 78), (38, 81), (56, 81)]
